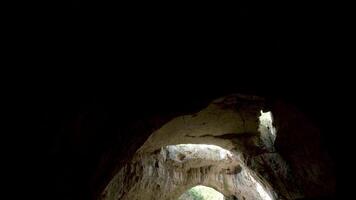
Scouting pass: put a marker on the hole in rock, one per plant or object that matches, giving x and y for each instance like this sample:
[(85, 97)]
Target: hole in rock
[(201, 192), (266, 128)]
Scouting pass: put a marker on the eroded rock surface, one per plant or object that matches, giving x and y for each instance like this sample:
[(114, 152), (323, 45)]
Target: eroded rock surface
[(169, 173)]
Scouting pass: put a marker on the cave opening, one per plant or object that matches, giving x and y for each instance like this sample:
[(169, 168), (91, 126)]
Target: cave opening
[(201, 192), (267, 129)]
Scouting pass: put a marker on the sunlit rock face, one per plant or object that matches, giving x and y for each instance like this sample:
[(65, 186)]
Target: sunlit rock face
[(204, 152), (258, 155)]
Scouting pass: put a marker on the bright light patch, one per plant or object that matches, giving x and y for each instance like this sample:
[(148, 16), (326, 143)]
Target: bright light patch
[(267, 121), (201, 192), (183, 152), (268, 132), (261, 191)]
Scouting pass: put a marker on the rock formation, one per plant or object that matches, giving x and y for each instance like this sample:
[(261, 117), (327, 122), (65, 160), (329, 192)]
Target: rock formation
[(260, 159)]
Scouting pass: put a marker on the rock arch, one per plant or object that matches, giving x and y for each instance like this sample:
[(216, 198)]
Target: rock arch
[(202, 191)]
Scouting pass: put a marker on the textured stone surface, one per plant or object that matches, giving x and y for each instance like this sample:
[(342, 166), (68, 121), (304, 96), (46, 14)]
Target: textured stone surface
[(161, 176), (287, 165)]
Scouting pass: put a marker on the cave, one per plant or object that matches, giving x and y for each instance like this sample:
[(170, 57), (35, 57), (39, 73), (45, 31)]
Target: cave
[(237, 145)]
